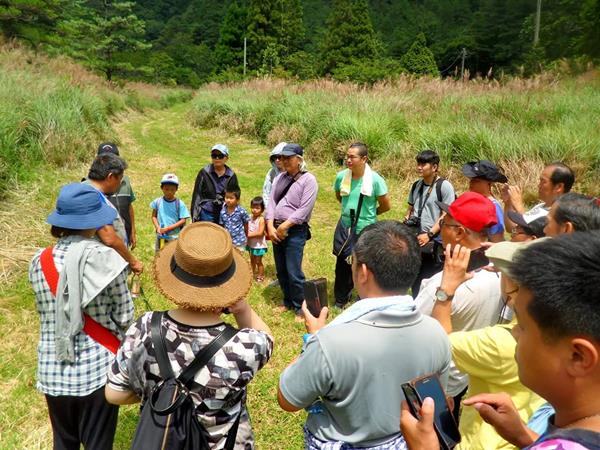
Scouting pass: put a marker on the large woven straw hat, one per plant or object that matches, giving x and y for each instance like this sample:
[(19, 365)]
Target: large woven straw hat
[(202, 270)]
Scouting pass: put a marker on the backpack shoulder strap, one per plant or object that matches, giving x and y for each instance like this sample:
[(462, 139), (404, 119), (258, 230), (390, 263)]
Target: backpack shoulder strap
[(413, 188), (232, 434), (204, 356), (164, 365), (438, 188)]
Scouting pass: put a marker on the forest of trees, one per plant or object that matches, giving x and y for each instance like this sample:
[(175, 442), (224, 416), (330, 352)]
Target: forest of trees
[(189, 42)]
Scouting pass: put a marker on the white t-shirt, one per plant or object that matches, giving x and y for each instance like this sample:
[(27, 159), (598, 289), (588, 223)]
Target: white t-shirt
[(477, 304)]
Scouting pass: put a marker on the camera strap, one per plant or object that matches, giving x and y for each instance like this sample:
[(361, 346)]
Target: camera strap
[(426, 197)]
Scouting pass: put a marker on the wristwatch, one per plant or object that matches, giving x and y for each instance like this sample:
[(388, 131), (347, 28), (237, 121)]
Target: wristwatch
[(430, 235), (442, 296)]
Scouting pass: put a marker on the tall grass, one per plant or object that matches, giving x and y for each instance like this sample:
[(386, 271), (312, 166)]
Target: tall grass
[(55, 112), (519, 124)]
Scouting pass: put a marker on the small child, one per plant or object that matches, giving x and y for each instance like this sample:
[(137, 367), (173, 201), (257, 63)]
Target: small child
[(235, 219), (169, 213), (257, 243)]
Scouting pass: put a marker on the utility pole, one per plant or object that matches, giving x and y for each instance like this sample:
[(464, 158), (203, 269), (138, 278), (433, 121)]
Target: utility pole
[(462, 63), (244, 56), (538, 14)]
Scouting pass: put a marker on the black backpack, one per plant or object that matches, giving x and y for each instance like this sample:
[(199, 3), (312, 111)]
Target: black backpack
[(438, 187), (168, 420)]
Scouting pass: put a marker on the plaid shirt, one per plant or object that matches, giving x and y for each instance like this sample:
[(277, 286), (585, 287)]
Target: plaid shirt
[(312, 443), (112, 308)]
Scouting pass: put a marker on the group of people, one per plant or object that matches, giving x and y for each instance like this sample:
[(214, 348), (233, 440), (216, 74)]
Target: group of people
[(509, 327)]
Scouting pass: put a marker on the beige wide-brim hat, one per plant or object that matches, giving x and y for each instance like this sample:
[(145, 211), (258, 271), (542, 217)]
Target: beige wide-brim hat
[(202, 270), (503, 253)]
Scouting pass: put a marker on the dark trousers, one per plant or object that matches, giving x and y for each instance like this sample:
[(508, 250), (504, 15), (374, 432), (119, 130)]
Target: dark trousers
[(88, 420), (430, 265), (343, 285), (288, 264)]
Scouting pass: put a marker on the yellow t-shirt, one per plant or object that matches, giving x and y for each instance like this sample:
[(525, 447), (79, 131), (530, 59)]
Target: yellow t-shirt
[(487, 355)]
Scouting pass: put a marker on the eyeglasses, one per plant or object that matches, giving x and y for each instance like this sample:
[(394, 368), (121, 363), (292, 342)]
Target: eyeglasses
[(217, 156), (443, 223), (276, 157)]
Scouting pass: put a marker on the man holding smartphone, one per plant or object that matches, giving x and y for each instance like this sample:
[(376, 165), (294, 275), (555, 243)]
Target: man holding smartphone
[(350, 372), (477, 302)]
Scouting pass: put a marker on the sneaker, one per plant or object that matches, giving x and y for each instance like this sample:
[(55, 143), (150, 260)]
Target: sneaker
[(340, 305)]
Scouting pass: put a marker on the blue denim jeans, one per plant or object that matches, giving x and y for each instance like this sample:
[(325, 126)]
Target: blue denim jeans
[(206, 216), (288, 263)]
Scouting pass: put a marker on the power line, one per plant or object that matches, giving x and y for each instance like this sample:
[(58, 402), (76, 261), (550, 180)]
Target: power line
[(456, 59)]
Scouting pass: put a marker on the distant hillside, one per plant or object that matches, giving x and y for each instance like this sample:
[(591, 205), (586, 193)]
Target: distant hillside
[(193, 41)]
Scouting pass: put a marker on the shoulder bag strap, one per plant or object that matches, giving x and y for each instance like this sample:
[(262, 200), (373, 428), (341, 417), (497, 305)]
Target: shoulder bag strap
[(354, 219), (204, 356), (164, 365), (49, 269), (93, 329), (283, 193)]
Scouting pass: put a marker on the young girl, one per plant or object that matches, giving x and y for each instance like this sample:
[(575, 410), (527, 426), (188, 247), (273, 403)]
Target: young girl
[(257, 244)]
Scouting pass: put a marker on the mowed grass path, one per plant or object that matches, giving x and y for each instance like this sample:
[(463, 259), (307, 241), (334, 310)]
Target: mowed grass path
[(153, 144)]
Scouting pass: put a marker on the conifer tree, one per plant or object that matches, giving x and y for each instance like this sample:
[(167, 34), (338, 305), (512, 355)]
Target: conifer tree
[(34, 21), (103, 32), (419, 59), (350, 35), (229, 52)]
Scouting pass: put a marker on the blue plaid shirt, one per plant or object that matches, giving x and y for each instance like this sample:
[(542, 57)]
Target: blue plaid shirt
[(234, 223), (112, 308), (312, 443)]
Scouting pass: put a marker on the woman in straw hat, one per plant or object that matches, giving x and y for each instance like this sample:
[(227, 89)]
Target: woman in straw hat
[(81, 295), (202, 274)]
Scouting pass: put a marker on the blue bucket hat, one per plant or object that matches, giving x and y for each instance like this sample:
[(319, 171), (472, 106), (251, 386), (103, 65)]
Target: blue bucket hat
[(80, 207)]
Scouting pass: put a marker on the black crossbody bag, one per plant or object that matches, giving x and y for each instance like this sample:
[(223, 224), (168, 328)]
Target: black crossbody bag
[(344, 238), (168, 419)]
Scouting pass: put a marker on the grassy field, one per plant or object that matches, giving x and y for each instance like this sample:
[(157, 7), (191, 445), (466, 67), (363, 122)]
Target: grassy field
[(517, 123), (520, 124), (52, 109), (153, 144)]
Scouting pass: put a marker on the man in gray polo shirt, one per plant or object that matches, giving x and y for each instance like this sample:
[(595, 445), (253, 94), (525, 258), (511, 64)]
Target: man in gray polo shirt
[(350, 373), (423, 213)]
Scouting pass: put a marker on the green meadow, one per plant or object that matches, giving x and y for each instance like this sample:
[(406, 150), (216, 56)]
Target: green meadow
[(55, 114)]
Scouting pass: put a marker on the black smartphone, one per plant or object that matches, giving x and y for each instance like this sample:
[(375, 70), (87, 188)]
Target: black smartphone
[(477, 260), (311, 295), (443, 421)]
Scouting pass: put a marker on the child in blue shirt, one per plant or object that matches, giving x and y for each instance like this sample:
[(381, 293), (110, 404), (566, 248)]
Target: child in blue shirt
[(235, 219), (169, 213)]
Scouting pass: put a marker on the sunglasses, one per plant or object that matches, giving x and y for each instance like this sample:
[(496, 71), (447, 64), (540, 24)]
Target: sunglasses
[(217, 156)]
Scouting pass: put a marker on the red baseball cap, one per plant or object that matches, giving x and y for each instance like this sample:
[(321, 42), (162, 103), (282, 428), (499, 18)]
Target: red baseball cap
[(472, 210)]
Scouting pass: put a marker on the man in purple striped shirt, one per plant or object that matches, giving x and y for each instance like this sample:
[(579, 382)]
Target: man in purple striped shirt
[(291, 202)]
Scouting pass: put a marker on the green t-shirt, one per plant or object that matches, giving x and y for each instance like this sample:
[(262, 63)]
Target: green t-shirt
[(368, 211)]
